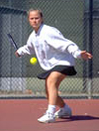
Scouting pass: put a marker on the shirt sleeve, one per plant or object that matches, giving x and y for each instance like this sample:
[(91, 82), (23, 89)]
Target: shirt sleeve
[(74, 51), (26, 49), (59, 42)]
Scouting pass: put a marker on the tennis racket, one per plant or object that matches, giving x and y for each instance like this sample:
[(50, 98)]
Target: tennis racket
[(12, 42)]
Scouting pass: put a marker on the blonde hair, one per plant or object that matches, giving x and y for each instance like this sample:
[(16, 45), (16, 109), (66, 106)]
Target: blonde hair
[(39, 11)]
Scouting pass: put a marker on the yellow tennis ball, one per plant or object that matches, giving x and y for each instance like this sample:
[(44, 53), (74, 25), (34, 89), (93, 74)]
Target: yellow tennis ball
[(33, 60)]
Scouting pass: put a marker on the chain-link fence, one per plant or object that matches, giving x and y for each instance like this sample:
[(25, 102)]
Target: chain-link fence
[(76, 19)]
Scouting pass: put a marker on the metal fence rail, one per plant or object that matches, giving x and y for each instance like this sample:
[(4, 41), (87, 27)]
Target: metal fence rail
[(78, 20)]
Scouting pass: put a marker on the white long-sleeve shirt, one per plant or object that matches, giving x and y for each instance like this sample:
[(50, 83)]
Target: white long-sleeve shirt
[(51, 48)]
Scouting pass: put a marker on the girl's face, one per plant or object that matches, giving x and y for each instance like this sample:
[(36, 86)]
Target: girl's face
[(35, 19)]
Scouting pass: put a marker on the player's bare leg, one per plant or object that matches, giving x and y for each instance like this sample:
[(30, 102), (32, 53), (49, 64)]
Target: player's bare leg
[(52, 84), (60, 103)]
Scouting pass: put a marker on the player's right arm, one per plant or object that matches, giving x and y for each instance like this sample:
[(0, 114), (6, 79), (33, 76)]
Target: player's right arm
[(26, 49)]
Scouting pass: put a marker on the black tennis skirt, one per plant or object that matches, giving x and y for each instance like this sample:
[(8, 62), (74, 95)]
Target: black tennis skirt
[(66, 70)]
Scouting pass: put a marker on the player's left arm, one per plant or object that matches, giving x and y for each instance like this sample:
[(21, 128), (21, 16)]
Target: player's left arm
[(58, 41), (77, 53)]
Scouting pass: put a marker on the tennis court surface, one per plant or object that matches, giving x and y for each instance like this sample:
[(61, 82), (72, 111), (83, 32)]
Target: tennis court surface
[(22, 115)]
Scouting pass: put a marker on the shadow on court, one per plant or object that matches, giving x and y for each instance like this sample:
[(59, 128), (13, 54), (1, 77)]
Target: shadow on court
[(78, 118)]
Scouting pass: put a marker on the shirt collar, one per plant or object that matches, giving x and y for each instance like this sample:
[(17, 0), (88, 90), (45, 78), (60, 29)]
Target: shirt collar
[(39, 30)]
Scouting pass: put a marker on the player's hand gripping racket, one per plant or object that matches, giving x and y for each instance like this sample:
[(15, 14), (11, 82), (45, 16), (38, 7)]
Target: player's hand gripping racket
[(12, 42)]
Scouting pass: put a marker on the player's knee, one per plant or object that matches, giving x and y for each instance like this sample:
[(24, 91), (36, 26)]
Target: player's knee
[(51, 82)]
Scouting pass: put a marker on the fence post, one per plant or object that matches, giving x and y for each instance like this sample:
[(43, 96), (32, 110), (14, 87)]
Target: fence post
[(90, 71)]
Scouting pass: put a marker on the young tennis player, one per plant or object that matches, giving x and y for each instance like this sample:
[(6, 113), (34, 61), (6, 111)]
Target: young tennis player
[(56, 55)]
